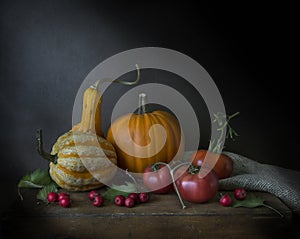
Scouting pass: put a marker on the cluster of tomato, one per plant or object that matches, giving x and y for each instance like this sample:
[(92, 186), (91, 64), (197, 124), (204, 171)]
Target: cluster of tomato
[(191, 185)]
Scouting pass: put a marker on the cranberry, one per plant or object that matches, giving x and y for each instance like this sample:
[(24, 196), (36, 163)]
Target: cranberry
[(65, 202), (98, 201), (144, 197), (134, 196), (119, 200), (92, 195), (225, 200), (240, 193), (129, 202), (63, 195), (52, 197)]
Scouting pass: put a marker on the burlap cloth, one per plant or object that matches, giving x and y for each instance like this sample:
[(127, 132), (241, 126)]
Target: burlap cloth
[(251, 175), (281, 182)]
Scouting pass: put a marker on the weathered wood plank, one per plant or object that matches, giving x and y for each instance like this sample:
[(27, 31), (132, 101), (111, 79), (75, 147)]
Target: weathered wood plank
[(162, 217), (148, 227)]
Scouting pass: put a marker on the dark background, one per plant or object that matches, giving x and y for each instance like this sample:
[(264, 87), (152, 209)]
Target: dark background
[(48, 47)]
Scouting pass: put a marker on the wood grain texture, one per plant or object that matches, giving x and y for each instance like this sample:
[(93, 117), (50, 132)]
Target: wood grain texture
[(162, 217)]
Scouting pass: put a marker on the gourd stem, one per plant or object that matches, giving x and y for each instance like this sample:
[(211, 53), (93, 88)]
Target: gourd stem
[(91, 114), (142, 104), (45, 155), (131, 82), (97, 83)]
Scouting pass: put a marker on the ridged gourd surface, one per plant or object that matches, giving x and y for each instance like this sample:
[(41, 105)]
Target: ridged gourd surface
[(85, 161)]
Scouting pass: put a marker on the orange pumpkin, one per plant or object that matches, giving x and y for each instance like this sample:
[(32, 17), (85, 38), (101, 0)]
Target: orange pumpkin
[(144, 138)]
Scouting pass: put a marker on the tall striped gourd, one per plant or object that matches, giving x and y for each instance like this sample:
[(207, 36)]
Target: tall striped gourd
[(81, 159)]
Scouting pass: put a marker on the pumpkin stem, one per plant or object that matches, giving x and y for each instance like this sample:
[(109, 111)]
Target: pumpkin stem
[(142, 104), (45, 155)]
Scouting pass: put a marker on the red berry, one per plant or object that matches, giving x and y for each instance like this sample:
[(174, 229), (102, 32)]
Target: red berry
[(240, 193), (65, 202), (134, 196), (119, 200), (225, 200), (98, 201), (92, 195), (62, 195), (144, 197), (52, 197), (129, 202)]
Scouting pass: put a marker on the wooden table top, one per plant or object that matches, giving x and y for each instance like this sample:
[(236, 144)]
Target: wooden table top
[(161, 217)]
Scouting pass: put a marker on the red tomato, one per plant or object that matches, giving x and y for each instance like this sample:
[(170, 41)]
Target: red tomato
[(157, 178), (223, 167), (193, 188)]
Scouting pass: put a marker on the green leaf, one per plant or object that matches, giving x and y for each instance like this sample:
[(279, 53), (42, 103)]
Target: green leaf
[(116, 190), (129, 187), (111, 193), (36, 179), (42, 194), (250, 201)]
